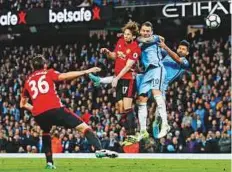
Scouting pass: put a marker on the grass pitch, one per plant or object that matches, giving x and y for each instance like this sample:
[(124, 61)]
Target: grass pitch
[(115, 165)]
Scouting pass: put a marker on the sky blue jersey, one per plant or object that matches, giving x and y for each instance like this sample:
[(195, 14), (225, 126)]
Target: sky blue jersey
[(174, 70), (151, 53)]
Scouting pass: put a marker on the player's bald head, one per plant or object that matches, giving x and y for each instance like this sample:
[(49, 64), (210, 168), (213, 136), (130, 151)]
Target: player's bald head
[(147, 24), (146, 29)]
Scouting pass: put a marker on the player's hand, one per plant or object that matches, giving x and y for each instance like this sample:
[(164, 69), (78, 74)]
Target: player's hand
[(104, 51), (114, 82), (93, 70), (119, 34), (162, 38), (162, 44), (23, 102)]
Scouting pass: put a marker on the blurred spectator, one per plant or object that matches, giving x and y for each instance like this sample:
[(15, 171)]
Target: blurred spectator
[(56, 144), (225, 143), (3, 143)]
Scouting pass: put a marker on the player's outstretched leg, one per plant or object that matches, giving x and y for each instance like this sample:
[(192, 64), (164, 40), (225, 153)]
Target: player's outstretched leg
[(46, 139), (93, 140), (106, 153), (95, 79), (161, 108), (98, 80), (142, 113)]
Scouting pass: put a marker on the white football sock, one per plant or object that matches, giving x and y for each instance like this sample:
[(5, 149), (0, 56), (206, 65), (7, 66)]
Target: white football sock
[(106, 80), (156, 113), (161, 108), (142, 114)]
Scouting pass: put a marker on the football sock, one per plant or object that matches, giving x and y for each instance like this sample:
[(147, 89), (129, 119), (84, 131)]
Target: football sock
[(130, 118), (47, 147), (92, 139), (161, 108), (142, 114)]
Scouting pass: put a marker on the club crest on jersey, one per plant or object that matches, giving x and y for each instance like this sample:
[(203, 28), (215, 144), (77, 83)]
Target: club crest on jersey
[(121, 55), (135, 55)]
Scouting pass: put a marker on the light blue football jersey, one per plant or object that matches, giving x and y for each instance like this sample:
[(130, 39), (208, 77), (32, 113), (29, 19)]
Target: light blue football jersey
[(174, 70), (151, 53)]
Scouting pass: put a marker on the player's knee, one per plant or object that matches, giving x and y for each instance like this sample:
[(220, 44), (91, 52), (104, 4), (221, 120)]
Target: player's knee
[(142, 99), (159, 100), (156, 92), (127, 105), (120, 106), (83, 127)]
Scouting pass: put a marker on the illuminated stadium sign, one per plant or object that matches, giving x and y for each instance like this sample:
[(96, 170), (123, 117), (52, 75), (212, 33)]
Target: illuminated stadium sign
[(13, 19), (81, 15), (196, 8)]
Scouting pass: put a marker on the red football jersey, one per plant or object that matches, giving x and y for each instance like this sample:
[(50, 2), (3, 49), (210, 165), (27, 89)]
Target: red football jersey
[(131, 51), (40, 87)]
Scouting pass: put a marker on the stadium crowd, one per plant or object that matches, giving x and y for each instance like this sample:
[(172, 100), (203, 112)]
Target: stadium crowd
[(59, 4), (198, 105)]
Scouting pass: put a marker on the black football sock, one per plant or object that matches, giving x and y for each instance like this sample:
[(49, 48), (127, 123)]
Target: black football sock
[(47, 147), (93, 139), (130, 118)]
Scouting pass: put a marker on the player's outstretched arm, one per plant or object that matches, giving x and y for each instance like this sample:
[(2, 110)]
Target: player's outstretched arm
[(75, 74), (108, 53), (171, 53)]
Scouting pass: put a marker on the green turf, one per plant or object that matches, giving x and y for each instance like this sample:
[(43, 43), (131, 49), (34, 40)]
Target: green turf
[(116, 165)]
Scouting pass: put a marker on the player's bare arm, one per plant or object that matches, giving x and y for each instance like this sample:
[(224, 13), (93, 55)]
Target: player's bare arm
[(172, 54), (74, 74), (108, 53), (128, 66), (24, 104)]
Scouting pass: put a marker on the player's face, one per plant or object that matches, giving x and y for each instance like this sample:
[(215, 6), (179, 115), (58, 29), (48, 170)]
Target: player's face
[(45, 66), (128, 37), (182, 51), (45, 63), (145, 31)]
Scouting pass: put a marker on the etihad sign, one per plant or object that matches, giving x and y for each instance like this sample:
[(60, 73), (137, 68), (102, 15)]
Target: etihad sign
[(82, 15), (13, 19), (196, 8)]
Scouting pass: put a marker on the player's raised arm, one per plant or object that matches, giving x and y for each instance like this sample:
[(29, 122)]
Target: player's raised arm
[(108, 53), (74, 74), (172, 54)]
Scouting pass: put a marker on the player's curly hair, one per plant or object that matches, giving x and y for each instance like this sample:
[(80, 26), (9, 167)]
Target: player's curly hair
[(133, 27), (38, 62)]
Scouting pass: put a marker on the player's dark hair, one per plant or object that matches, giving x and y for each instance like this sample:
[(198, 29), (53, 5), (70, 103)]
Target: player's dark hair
[(38, 62), (148, 24), (185, 43), (133, 27)]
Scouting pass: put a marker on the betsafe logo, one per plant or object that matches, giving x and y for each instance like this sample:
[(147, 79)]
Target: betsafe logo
[(13, 19), (80, 15)]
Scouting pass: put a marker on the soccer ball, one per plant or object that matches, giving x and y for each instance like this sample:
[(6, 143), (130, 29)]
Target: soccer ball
[(213, 21)]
